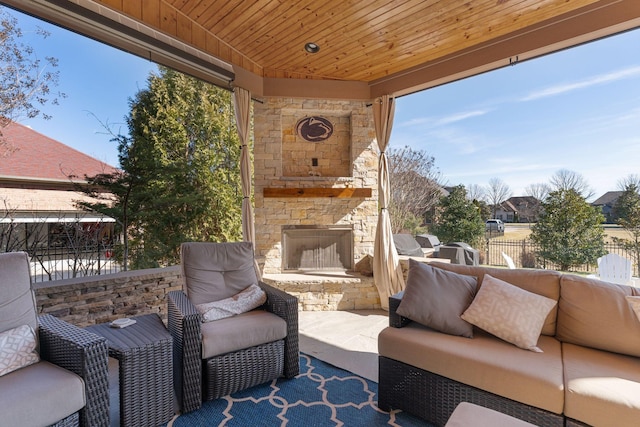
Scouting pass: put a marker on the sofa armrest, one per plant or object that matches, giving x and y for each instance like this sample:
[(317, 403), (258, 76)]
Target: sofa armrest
[(83, 353), (395, 320), (286, 306), (184, 324)]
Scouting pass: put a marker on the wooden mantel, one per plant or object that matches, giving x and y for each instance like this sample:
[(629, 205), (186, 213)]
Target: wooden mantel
[(318, 192)]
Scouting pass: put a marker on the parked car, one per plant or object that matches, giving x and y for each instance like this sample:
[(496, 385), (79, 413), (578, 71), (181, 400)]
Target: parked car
[(494, 225)]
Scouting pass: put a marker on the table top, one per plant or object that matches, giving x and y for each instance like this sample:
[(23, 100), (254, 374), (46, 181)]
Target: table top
[(148, 330)]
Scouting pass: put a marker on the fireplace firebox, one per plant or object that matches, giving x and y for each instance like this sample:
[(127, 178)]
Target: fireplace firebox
[(317, 247)]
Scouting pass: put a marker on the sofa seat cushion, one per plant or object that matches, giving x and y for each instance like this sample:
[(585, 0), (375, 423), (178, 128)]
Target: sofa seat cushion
[(40, 395), (601, 388), (484, 361), (242, 331)]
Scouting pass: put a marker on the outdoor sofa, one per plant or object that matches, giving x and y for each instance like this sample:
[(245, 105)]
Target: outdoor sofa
[(588, 372)]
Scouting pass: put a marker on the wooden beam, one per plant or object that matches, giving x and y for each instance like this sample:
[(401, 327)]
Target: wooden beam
[(340, 193)]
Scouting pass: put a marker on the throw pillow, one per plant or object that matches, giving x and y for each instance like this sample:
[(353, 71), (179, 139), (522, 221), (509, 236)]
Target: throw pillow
[(246, 300), (17, 349), (509, 312), (436, 298), (634, 302)]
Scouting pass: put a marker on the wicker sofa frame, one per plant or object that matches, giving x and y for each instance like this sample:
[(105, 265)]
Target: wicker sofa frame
[(433, 397), (84, 354), (196, 380)]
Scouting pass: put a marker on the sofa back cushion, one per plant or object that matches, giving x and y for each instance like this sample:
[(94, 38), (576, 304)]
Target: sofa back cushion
[(541, 282), (596, 314)]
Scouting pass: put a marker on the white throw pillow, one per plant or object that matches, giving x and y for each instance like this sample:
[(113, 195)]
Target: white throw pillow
[(17, 349), (509, 312), (248, 299)]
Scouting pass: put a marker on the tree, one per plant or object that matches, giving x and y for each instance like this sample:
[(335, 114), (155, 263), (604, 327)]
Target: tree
[(569, 180), (475, 192), (539, 191), (460, 219), (180, 169), (631, 179), (569, 231), (415, 188), (628, 210), (497, 192), (26, 82)]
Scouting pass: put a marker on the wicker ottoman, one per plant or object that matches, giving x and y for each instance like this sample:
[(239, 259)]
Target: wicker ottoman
[(467, 414), (145, 353)]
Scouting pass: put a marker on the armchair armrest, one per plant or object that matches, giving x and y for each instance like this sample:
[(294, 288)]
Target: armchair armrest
[(85, 354), (395, 320), (285, 306), (184, 324)]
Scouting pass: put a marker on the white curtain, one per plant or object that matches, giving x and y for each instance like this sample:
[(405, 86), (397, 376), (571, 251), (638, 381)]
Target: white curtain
[(387, 272), (242, 104)]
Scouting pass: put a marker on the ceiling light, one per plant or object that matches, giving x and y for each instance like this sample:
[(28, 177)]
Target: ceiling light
[(311, 47)]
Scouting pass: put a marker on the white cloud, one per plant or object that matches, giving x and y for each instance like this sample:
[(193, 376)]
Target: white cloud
[(595, 80), (460, 116)]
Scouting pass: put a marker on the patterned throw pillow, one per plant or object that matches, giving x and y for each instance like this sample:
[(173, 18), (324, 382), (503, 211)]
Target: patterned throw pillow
[(248, 299), (17, 349), (509, 312)]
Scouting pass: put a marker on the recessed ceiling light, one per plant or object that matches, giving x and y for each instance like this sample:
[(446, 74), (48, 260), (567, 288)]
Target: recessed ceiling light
[(311, 47)]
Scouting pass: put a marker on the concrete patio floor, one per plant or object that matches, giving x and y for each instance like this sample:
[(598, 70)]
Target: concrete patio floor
[(346, 339)]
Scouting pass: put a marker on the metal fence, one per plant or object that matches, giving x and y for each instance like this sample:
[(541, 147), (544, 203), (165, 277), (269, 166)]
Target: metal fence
[(61, 263), (523, 254)]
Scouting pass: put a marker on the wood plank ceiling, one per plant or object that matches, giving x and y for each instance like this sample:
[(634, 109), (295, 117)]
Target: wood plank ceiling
[(371, 41)]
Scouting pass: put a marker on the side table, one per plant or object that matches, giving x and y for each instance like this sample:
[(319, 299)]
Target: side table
[(145, 354)]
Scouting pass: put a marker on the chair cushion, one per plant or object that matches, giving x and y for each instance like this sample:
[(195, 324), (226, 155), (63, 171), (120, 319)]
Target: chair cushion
[(599, 384), (40, 395), (242, 331), (436, 298), (215, 271), (17, 349), (17, 303)]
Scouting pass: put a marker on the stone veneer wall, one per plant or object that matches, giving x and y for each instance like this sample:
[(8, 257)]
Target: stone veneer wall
[(91, 300), (273, 120), (86, 301)]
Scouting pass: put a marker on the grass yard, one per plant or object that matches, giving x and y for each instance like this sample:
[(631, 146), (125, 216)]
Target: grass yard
[(522, 231)]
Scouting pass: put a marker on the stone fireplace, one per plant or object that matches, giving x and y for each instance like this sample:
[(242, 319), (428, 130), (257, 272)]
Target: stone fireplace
[(315, 169)]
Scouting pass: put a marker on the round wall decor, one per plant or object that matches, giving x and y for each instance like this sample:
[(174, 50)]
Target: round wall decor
[(314, 128)]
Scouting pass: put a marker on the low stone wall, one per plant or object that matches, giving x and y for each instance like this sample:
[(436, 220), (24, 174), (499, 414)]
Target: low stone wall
[(327, 292), (99, 299), (90, 300)]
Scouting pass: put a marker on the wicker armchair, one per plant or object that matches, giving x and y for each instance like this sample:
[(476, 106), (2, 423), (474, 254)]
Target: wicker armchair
[(246, 353), (41, 393)]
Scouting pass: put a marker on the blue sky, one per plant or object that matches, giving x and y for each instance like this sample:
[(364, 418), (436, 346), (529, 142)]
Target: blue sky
[(578, 109)]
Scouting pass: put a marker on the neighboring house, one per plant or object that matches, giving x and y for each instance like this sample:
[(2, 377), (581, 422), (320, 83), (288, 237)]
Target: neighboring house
[(37, 191), (506, 212), (519, 209), (607, 203)]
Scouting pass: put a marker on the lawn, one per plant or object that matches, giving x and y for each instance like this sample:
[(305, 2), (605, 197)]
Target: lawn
[(522, 231)]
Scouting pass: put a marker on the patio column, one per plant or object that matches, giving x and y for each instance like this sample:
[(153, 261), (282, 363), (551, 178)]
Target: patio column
[(242, 104), (387, 272)]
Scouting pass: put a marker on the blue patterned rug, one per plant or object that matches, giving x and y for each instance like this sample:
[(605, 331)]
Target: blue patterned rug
[(322, 395)]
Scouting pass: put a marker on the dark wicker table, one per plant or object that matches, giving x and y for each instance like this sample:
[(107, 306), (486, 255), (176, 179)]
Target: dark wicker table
[(145, 353)]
